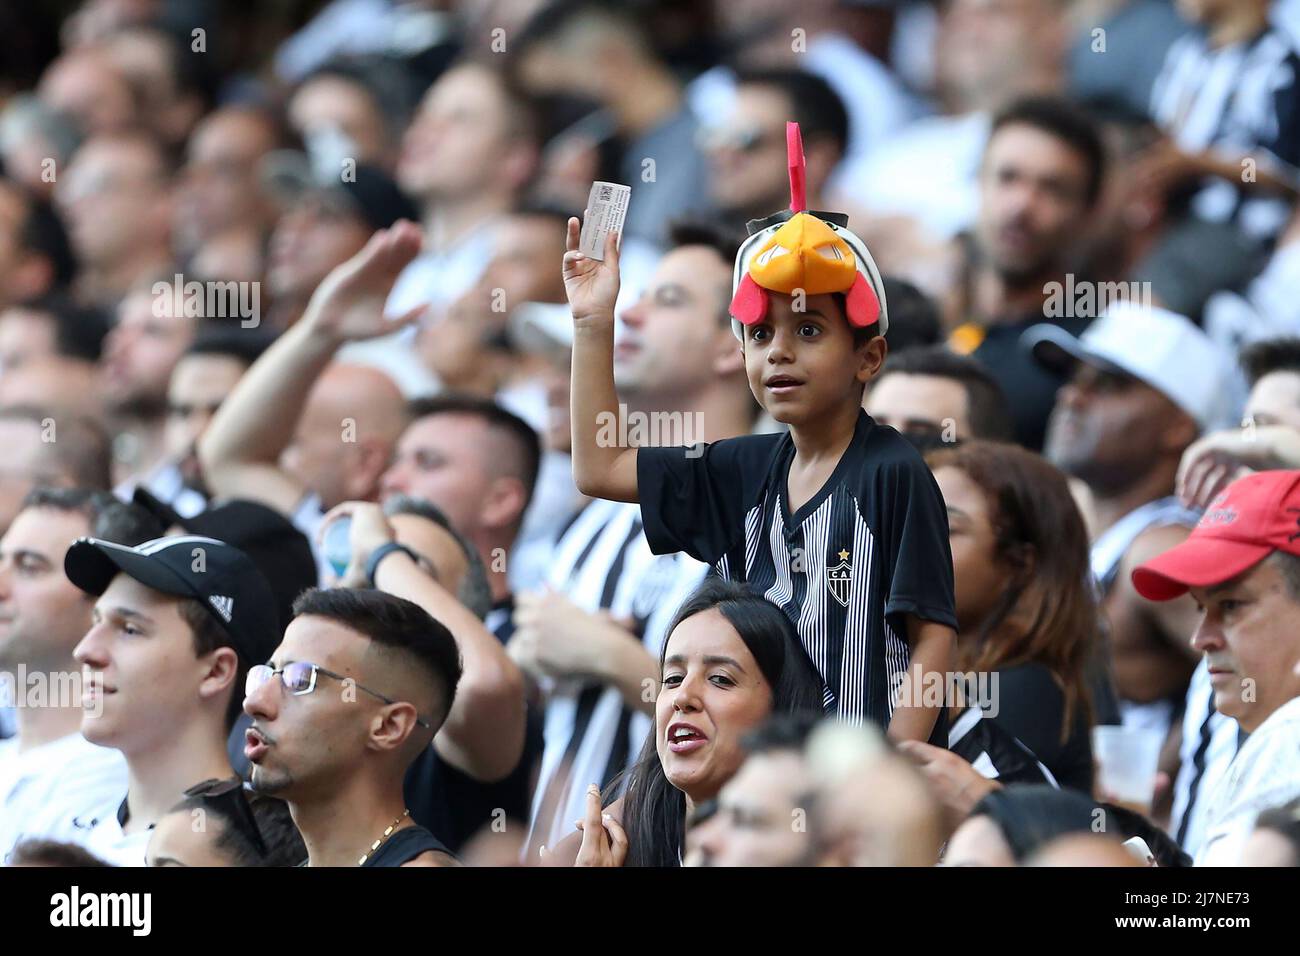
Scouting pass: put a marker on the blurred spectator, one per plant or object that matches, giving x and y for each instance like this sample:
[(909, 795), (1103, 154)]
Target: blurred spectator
[(35, 143), (87, 86), (815, 36), (1009, 825), (1276, 839), (988, 53), (1119, 46), (913, 316), (346, 796), (219, 823), (600, 52), (747, 150), (1269, 436), (202, 377), (873, 808), (1145, 383), (166, 80), (79, 458), (35, 256), (52, 853), (468, 153), (116, 198), (1040, 180), (219, 187), (762, 813), (75, 381), (935, 397), (1026, 612), (1226, 97), (324, 225), (153, 331), (345, 103), (1240, 566), (50, 327), (48, 764), (169, 722), (730, 661)]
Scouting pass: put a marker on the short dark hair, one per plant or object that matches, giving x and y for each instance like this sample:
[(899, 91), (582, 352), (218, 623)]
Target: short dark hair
[(519, 432), (816, 107), (782, 732), (395, 623), (43, 233), (82, 454), (79, 329), (913, 316), (209, 635), (1064, 120), (1283, 820), (711, 234), (224, 338), (1288, 565), (1270, 355), (475, 590), (37, 852), (109, 518), (990, 416), (281, 843)]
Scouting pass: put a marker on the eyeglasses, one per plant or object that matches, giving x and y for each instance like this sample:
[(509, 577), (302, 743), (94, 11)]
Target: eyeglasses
[(299, 678), (230, 792)]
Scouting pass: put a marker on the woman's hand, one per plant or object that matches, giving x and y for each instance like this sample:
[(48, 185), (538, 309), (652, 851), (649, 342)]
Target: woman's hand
[(604, 842)]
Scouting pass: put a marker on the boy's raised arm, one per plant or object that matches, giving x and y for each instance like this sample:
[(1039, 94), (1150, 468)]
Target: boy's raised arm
[(601, 470)]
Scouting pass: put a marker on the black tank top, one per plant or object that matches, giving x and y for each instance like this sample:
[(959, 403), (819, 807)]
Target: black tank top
[(404, 846)]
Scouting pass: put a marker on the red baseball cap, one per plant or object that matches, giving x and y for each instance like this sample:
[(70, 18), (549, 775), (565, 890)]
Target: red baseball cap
[(1253, 517)]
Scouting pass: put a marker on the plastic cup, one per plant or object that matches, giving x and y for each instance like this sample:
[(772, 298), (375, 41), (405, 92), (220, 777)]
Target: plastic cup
[(1127, 759)]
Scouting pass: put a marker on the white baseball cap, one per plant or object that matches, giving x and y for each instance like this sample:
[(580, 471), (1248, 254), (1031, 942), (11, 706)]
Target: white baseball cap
[(1164, 350)]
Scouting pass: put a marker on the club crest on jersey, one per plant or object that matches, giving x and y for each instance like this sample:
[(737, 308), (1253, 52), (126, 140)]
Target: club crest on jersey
[(839, 578)]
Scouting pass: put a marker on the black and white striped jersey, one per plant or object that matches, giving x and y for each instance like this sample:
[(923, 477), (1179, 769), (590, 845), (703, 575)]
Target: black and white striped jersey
[(994, 752), (1210, 741), (1239, 101), (870, 548), (602, 563)]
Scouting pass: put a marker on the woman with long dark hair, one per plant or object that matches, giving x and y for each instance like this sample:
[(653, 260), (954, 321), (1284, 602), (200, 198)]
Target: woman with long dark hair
[(1026, 609), (731, 660)]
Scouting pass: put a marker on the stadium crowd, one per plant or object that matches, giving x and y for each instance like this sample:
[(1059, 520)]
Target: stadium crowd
[(913, 479)]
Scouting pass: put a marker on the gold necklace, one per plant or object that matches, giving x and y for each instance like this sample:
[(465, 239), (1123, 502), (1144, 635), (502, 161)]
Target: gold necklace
[(387, 833)]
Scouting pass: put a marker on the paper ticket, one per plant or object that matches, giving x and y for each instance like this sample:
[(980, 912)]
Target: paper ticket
[(606, 210)]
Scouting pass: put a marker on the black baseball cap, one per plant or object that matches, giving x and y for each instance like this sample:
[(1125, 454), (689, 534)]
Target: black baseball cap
[(226, 582), (281, 552)]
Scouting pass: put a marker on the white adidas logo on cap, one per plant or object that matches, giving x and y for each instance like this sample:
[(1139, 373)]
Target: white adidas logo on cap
[(225, 606)]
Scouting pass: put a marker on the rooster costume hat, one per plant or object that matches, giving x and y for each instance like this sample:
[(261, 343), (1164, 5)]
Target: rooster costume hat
[(812, 251)]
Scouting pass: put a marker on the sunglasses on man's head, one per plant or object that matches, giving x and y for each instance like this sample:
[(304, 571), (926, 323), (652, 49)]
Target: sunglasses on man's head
[(299, 678)]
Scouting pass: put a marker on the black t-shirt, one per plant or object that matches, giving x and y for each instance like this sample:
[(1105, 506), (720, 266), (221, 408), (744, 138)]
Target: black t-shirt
[(870, 547), (1031, 707), (453, 805)]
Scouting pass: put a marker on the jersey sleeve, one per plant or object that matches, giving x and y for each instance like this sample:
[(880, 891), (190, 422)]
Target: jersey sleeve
[(914, 522), (694, 498)]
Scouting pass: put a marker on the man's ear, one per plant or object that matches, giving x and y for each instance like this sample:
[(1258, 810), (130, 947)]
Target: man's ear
[(728, 355), (506, 500), (223, 668)]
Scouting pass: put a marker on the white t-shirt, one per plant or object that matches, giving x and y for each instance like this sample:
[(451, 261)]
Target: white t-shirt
[(45, 790), (107, 841), (1265, 773)]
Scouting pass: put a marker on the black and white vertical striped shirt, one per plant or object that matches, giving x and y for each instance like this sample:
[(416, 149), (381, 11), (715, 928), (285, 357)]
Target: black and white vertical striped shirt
[(868, 549), (1239, 101), (602, 563)]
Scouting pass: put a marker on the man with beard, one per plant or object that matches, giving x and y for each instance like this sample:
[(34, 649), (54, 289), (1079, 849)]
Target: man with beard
[(1145, 382), (355, 692), (1039, 183), (200, 382)]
